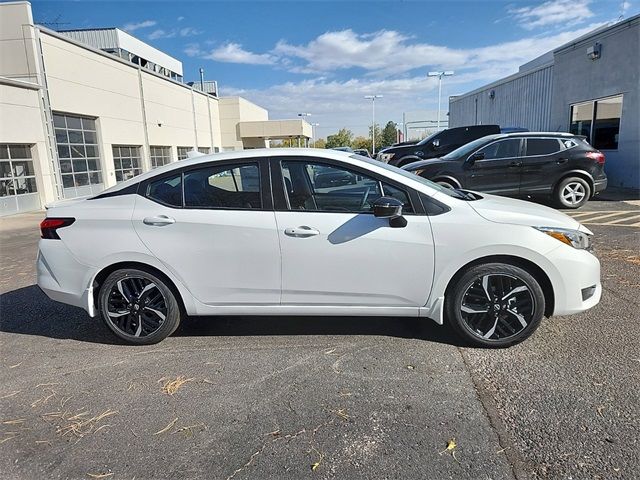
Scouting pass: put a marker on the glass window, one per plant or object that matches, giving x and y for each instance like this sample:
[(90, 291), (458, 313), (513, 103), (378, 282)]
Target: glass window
[(167, 191), (501, 149), (581, 118), (159, 156), (606, 128), (205, 150), (76, 139), (182, 152), (17, 175), (126, 160), (542, 146), (328, 188), (218, 186)]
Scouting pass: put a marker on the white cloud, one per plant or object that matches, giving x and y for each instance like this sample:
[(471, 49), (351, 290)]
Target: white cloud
[(132, 27), (234, 53), (160, 33), (179, 19), (553, 12), (182, 32)]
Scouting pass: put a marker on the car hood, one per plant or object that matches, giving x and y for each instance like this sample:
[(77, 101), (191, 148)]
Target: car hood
[(520, 212)]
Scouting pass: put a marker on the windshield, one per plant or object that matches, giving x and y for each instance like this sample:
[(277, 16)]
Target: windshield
[(466, 149), (411, 176), (428, 139)]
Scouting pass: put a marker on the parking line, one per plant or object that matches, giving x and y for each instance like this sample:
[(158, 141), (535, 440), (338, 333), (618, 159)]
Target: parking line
[(618, 221), (600, 217)]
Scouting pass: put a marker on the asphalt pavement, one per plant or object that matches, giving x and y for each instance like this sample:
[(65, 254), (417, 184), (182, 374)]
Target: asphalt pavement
[(275, 397)]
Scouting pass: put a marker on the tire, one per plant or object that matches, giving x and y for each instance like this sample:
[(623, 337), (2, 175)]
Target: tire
[(572, 192), (471, 309), (133, 303), (446, 184)]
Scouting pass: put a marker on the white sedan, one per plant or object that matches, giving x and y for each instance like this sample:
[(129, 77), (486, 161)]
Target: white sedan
[(312, 232)]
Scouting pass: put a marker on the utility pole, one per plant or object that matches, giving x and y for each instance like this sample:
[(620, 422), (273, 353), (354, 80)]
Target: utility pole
[(313, 133), (446, 73), (373, 124)]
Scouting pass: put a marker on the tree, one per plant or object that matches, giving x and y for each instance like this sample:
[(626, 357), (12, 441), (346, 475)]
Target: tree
[(389, 134), (361, 142), (340, 139), (319, 143)]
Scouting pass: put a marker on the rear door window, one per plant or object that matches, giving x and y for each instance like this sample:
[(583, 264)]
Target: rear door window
[(223, 186), (167, 191), (542, 146)]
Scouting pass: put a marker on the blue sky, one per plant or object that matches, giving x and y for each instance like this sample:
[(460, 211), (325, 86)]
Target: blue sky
[(322, 57)]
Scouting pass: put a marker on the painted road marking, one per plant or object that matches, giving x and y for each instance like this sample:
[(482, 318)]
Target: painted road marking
[(619, 218)]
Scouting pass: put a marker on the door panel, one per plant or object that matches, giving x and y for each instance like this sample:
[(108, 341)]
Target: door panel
[(544, 161), (335, 252), (229, 254), (499, 171)]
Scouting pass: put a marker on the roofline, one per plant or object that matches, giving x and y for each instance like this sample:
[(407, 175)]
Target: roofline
[(65, 38)]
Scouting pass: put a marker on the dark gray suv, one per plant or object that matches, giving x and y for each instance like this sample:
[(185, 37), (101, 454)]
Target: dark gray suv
[(560, 165)]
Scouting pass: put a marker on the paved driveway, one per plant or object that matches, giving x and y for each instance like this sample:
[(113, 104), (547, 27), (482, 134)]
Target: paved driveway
[(318, 397)]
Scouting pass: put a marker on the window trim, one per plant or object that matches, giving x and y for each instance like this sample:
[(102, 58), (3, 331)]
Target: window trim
[(280, 196)]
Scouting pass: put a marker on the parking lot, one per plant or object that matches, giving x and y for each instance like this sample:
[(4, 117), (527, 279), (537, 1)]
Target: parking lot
[(248, 397)]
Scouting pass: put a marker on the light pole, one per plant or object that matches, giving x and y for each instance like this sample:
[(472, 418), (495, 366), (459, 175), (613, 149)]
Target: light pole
[(313, 133), (373, 124), (446, 73)]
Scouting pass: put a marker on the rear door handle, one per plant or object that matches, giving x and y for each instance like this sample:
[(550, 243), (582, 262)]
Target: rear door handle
[(560, 161), (301, 232), (159, 221)]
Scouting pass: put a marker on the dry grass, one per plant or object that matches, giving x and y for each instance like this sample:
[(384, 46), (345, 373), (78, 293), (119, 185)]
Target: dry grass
[(11, 394), (79, 424), (99, 475), (172, 386), (167, 428)]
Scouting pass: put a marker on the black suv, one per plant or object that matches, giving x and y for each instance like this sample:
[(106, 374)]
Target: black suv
[(560, 165), (436, 145)]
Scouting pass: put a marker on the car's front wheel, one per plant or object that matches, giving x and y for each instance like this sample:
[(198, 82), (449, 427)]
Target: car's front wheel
[(138, 306), (495, 305)]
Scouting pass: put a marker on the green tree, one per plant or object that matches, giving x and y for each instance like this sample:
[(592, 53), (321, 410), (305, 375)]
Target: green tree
[(389, 134), (340, 139), (319, 143)]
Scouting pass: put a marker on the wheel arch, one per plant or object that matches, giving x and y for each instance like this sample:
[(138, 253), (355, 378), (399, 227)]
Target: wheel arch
[(449, 178), (527, 265), (102, 275), (407, 159), (577, 173)]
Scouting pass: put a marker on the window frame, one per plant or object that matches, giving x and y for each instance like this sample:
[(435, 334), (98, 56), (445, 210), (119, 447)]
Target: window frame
[(594, 114), (561, 146), (263, 172), (138, 158), (164, 149), (13, 178), (280, 198)]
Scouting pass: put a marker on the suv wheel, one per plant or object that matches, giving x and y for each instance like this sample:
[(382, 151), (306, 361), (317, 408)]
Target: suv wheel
[(446, 184), (495, 305), (138, 306), (572, 192)]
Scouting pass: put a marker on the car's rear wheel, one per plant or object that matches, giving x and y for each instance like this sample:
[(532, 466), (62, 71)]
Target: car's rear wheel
[(495, 305), (138, 306), (572, 192), (446, 184)]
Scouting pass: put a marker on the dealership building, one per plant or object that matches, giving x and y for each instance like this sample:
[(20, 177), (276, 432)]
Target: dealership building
[(590, 86), (82, 110)]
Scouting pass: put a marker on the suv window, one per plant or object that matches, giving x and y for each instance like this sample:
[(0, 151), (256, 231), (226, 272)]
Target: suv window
[(327, 188), (542, 146), (167, 191), (501, 149), (223, 186)]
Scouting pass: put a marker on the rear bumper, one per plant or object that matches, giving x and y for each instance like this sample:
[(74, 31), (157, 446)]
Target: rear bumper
[(600, 185), (70, 282)]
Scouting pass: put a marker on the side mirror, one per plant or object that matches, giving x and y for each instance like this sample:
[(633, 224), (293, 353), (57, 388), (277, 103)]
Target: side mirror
[(391, 208), (475, 157)]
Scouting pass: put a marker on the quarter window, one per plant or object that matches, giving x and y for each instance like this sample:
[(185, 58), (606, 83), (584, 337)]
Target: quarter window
[(501, 149), (126, 160), (236, 187), (77, 145), (159, 156), (542, 146), (167, 191), (328, 188)]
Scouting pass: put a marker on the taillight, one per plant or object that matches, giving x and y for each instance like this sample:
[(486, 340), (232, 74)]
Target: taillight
[(596, 156), (49, 227)]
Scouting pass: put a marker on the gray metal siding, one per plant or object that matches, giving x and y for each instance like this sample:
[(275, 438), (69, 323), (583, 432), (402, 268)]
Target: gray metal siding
[(101, 38), (520, 101)]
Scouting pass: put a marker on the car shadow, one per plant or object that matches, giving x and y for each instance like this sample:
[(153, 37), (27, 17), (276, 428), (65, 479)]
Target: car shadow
[(28, 311)]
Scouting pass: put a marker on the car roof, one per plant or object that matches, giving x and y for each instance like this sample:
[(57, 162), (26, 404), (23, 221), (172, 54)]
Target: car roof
[(235, 155)]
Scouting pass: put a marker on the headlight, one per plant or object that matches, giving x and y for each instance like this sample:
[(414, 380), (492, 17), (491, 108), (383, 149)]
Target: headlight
[(574, 238), (385, 157)]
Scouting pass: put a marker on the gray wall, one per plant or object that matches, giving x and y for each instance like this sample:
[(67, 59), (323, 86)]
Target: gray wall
[(522, 100), (577, 78)]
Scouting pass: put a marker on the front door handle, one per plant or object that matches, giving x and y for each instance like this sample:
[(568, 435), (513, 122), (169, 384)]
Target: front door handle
[(301, 232), (159, 221), (560, 161), (515, 164)]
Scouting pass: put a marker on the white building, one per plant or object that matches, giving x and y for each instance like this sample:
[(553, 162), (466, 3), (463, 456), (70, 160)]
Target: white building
[(82, 110)]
